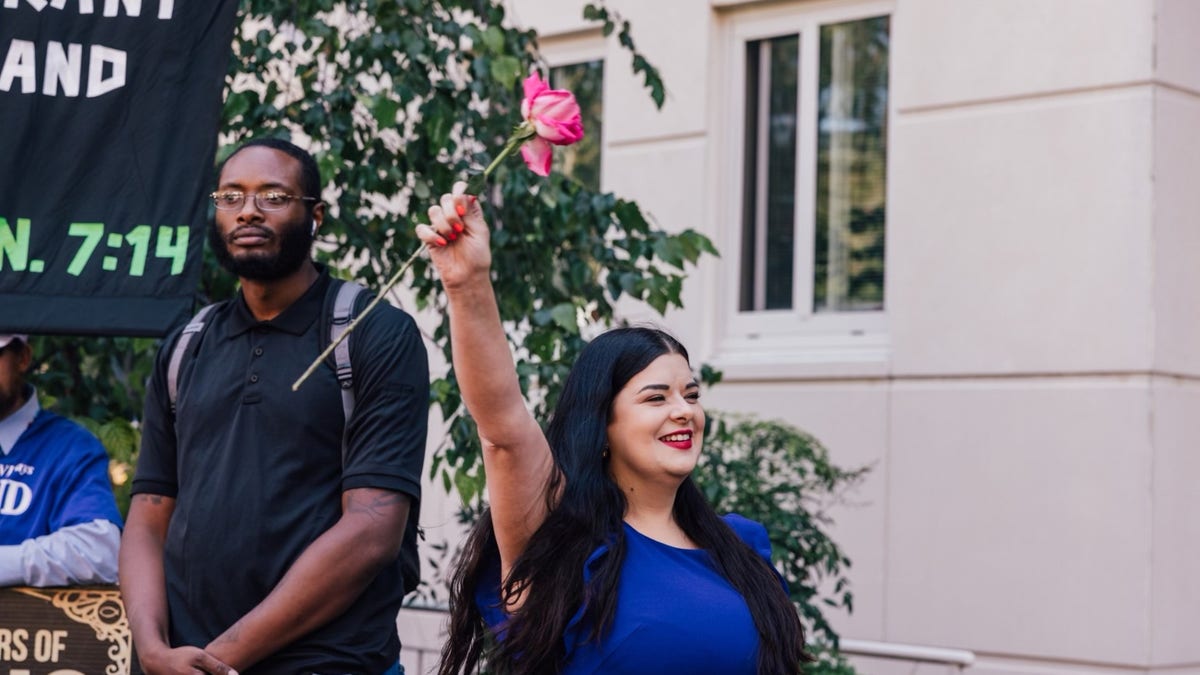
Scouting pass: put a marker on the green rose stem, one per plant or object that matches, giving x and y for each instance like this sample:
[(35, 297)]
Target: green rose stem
[(521, 134)]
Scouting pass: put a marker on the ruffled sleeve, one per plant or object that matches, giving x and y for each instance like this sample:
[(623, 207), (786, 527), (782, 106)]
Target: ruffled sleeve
[(487, 596), (573, 633), (755, 535)]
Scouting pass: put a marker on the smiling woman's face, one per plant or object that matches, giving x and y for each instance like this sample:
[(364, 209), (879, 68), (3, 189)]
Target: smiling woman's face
[(656, 425)]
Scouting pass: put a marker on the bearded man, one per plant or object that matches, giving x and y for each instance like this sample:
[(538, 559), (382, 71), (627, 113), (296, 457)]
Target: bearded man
[(264, 531)]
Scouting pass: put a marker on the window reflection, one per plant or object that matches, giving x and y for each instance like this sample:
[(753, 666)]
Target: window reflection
[(769, 189), (581, 161), (851, 166)]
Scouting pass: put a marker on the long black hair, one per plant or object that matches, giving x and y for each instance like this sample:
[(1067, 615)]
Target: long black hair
[(585, 509)]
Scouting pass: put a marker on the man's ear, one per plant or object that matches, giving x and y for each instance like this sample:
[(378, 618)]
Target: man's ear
[(318, 213), (25, 358)]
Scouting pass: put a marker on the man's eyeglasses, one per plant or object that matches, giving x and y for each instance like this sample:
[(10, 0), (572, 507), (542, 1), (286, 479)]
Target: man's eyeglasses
[(233, 200)]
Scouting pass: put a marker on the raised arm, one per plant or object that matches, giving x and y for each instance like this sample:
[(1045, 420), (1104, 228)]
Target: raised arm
[(516, 456)]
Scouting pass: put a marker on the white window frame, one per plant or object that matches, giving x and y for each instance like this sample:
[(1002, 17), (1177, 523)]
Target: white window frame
[(797, 342)]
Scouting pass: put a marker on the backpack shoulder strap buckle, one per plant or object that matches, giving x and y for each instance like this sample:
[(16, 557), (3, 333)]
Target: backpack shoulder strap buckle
[(343, 311), (196, 325)]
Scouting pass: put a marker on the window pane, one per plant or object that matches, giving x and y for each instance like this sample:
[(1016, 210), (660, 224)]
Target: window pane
[(851, 166), (581, 161), (769, 184)]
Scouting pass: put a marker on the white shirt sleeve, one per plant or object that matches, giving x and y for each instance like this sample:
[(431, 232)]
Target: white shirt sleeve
[(79, 554)]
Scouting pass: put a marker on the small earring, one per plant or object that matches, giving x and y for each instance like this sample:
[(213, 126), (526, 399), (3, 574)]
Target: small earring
[(314, 227), (604, 453)]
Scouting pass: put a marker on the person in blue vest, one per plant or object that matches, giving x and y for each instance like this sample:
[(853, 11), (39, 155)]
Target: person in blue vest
[(598, 553), (59, 524)]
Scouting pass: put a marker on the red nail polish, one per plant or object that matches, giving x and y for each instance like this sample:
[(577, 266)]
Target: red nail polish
[(472, 199), (458, 227), (460, 209), (441, 241), (453, 236)]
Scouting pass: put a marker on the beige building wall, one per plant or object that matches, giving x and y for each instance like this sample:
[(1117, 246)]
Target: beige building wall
[(1030, 397)]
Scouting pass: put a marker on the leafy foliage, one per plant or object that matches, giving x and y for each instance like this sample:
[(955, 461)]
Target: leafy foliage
[(98, 378), (599, 12), (121, 439)]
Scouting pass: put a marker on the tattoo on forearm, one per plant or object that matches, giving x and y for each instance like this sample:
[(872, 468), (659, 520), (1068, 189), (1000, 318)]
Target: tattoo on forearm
[(376, 503)]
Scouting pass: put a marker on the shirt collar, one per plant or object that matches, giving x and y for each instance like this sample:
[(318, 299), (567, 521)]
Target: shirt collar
[(14, 425), (296, 319)]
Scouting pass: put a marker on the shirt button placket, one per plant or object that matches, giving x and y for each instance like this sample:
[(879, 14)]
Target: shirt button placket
[(258, 351)]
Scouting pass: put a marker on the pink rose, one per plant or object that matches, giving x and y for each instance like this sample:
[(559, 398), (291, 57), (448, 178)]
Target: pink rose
[(550, 116), (553, 114)]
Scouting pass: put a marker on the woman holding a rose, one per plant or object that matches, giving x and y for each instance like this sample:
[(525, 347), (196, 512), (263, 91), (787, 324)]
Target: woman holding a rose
[(598, 552)]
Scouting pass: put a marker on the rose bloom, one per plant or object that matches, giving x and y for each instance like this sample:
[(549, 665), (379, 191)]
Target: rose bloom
[(553, 114)]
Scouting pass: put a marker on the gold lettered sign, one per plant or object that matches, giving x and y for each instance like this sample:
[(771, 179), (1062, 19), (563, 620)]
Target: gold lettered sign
[(64, 631)]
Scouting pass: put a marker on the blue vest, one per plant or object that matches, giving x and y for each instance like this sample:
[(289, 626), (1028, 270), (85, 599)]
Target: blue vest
[(56, 476)]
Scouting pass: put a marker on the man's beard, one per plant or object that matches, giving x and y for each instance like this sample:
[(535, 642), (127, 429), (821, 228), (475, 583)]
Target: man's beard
[(11, 399), (295, 248)]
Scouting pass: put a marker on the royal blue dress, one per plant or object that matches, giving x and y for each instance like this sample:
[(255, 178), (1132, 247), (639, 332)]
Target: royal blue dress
[(675, 613)]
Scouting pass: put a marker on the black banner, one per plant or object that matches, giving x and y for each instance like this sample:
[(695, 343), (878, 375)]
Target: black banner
[(109, 112)]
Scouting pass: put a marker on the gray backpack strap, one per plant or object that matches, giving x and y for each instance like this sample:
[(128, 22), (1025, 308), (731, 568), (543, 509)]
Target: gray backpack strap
[(343, 312), (185, 338), (340, 319)]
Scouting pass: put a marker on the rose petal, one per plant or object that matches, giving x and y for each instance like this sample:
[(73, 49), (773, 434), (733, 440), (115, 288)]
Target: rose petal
[(556, 103), (537, 154), (559, 132), (555, 115), (533, 86)]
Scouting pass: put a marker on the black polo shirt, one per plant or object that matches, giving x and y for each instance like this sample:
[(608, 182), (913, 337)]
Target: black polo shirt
[(257, 470)]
